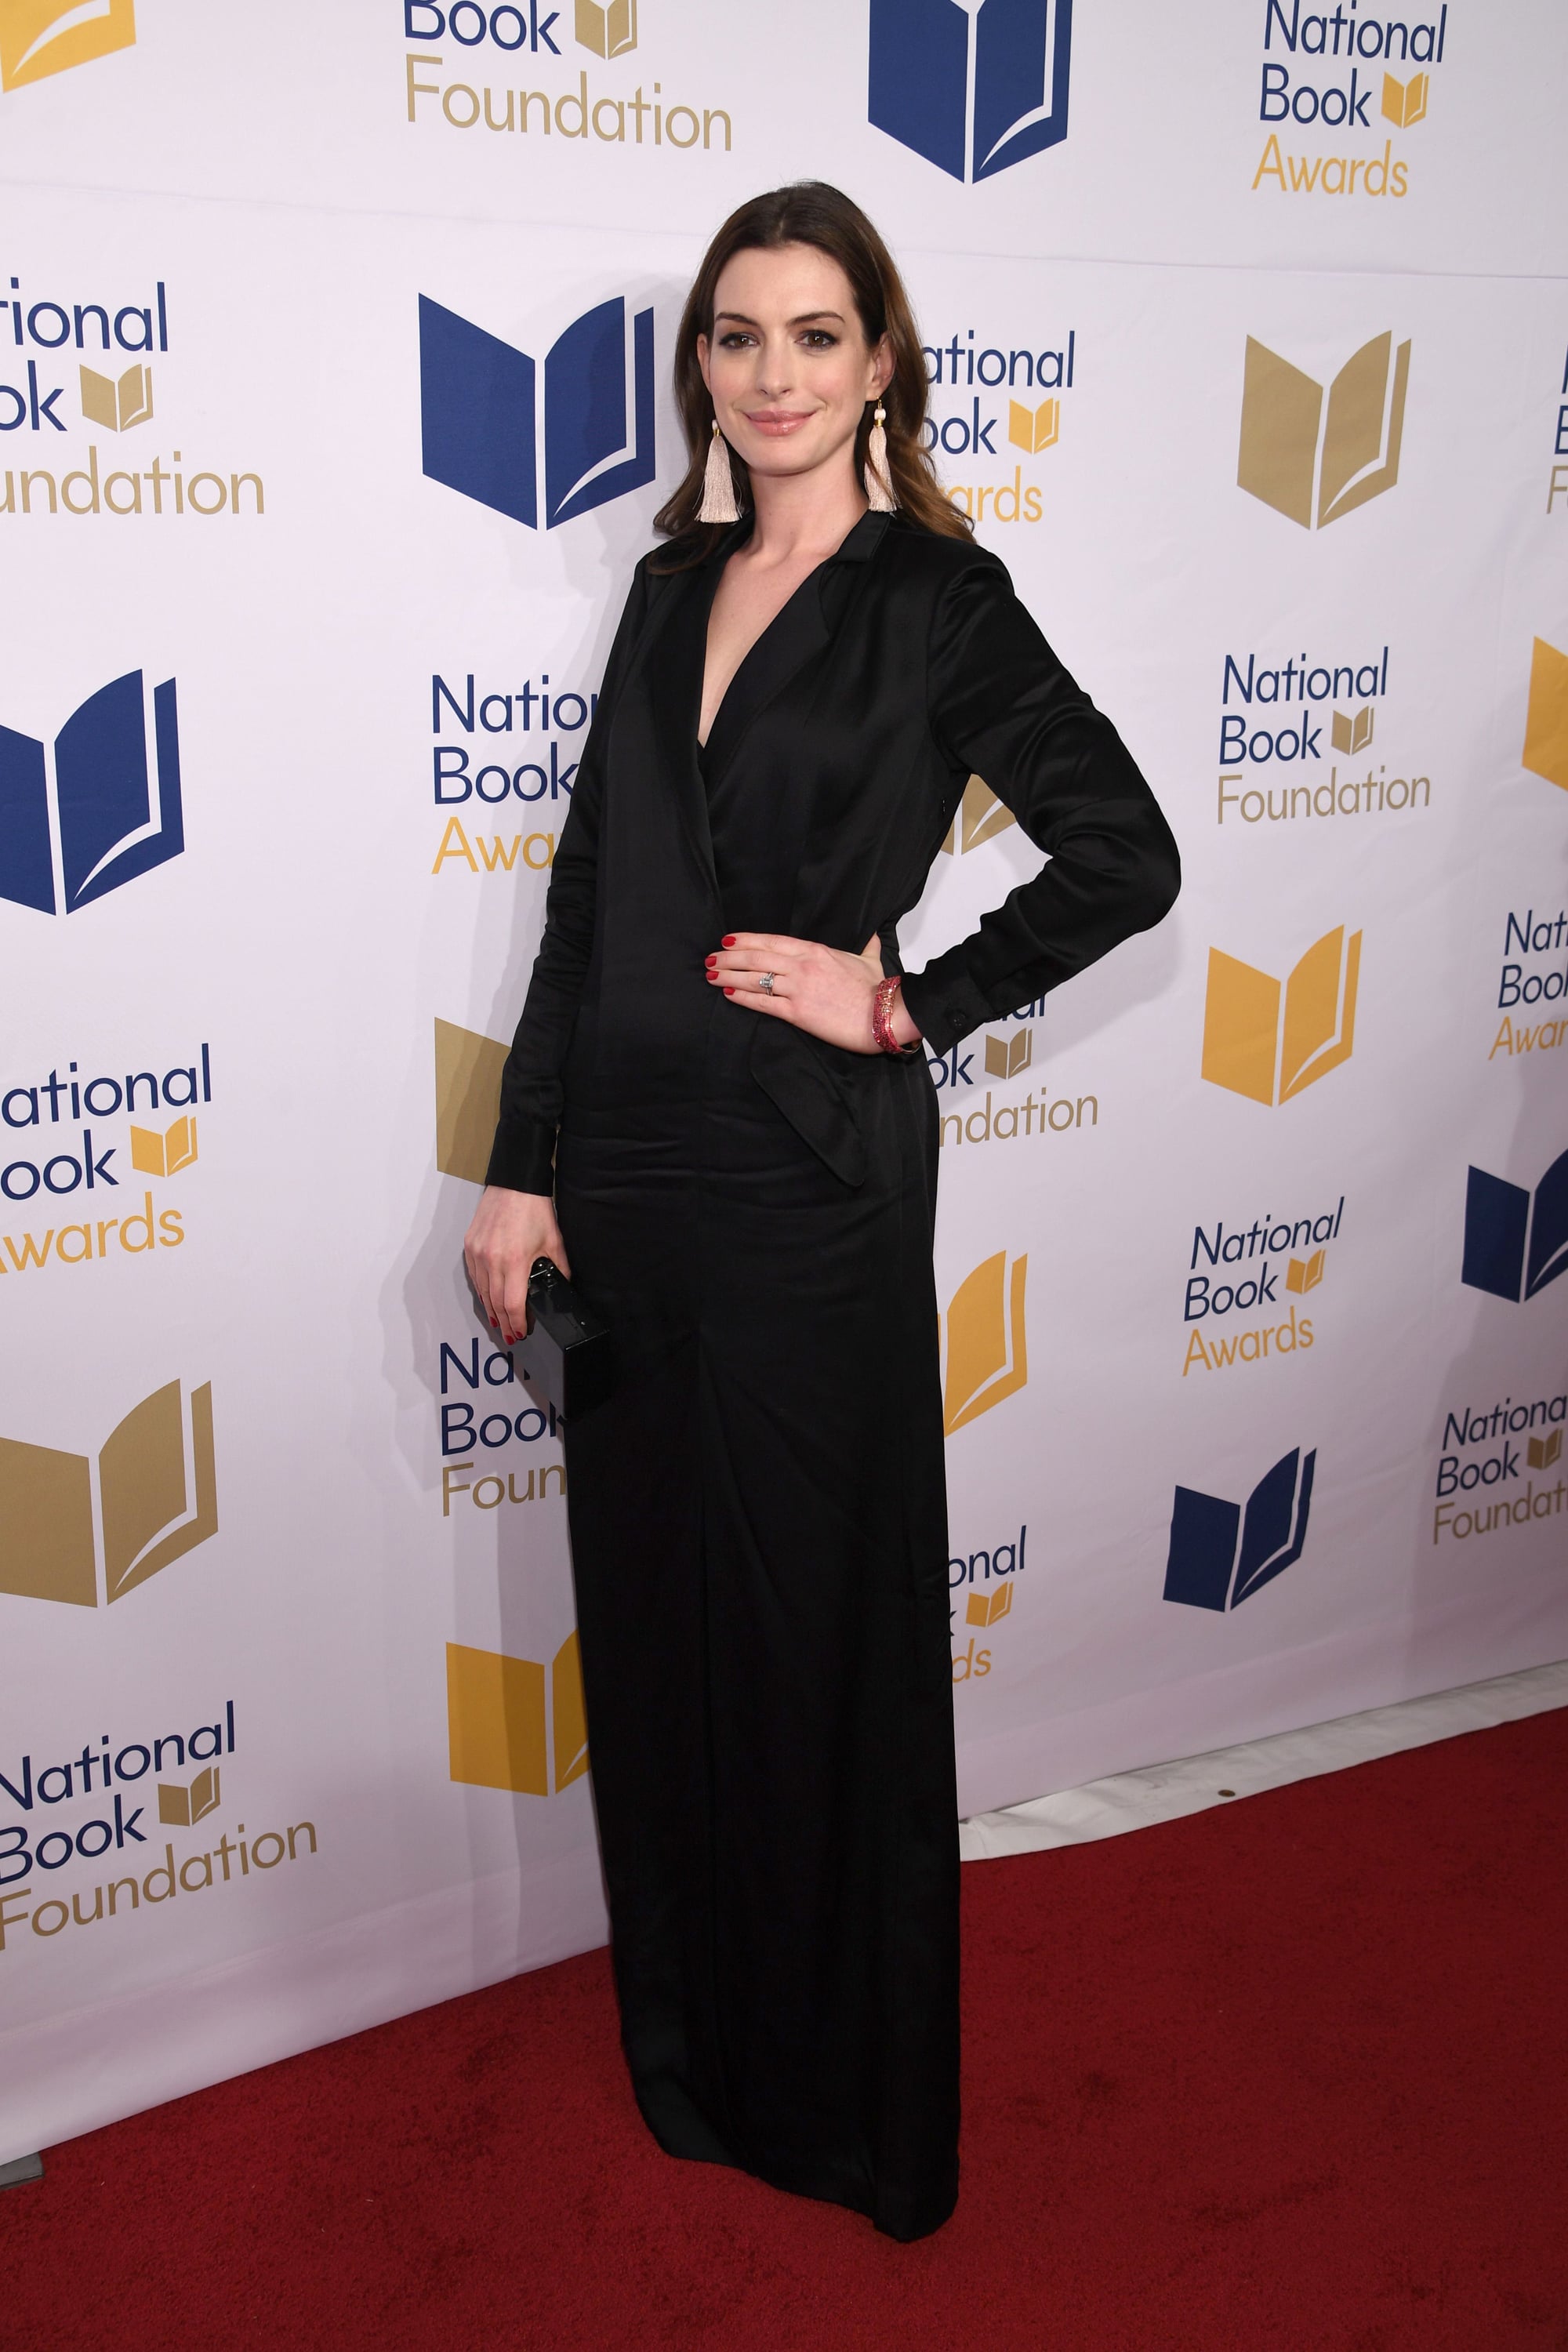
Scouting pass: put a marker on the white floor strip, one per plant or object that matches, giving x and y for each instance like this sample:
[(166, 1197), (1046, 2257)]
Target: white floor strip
[(1164, 1792)]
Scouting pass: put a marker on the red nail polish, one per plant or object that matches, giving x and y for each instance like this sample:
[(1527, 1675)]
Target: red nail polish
[(729, 991), (711, 961), (728, 941)]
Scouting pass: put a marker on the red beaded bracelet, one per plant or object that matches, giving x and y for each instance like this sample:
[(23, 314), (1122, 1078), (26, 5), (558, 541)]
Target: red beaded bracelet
[(883, 1017)]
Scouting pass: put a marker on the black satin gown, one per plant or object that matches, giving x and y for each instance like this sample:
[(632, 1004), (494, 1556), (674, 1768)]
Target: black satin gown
[(758, 1514)]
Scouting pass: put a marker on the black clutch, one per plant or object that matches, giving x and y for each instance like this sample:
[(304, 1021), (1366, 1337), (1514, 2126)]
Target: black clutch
[(567, 1350)]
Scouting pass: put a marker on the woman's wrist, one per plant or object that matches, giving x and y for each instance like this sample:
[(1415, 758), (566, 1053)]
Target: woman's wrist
[(892, 1029), (902, 1024)]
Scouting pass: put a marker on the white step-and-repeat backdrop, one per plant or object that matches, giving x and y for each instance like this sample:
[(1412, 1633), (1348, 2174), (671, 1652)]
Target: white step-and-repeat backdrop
[(334, 411)]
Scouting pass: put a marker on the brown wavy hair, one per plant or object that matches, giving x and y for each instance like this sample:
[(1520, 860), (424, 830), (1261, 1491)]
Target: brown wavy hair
[(809, 212)]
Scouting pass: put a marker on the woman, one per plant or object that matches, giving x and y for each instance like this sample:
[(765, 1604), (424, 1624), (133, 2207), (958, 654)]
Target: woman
[(720, 1074)]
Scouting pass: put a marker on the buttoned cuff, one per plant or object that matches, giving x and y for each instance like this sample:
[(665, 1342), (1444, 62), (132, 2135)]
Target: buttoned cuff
[(944, 1002)]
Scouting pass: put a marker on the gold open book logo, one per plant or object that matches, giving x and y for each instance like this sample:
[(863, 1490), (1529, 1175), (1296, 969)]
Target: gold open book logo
[(1351, 734), (163, 1152), (981, 817), (1034, 429), (609, 31), (1304, 1273), (1546, 723), (1270, 1040), (181, 1807), (986, 1608), (1006, 1056), (117, 405), (511, 1725), (1306, 453), (1404, 102), (986, 1344), (467, 1099), (147, 1471), (44, 37)]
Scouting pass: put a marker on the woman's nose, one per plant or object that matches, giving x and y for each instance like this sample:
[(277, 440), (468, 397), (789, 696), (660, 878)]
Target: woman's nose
[(774, 373)]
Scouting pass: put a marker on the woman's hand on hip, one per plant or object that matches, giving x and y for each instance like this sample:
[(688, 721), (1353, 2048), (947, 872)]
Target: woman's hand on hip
[(821, 989), (508, 1232)]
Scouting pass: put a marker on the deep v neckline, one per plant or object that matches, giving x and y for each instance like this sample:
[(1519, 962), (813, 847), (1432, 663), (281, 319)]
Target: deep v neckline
[(749, 659)]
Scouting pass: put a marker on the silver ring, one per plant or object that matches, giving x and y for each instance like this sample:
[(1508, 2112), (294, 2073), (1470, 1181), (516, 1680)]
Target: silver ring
[(766, 982)]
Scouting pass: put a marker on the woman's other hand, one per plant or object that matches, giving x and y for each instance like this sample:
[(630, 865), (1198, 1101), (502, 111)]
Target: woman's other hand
[(508, 1232), (821, 989)]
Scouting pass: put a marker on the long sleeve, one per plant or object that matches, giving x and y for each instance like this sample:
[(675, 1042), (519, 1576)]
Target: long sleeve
[(523, 1156), (1002, 706)]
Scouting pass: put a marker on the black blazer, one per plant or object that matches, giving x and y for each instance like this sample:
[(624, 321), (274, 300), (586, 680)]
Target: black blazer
[(902, 666)]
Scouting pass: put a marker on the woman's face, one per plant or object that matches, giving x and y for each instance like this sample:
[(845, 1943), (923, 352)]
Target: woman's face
[(788, 366)]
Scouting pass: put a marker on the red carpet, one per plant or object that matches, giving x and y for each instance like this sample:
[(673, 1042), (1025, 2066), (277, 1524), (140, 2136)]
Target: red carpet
[(1289, 2074)]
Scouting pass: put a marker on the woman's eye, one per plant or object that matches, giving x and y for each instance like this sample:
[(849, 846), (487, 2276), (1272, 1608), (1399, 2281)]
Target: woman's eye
[(734, 339), (819, 339)]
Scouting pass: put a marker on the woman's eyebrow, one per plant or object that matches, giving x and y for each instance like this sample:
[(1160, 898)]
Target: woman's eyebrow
[(805, 318)]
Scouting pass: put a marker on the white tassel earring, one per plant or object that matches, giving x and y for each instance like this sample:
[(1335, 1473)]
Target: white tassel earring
[(718, 483), (878, 482)]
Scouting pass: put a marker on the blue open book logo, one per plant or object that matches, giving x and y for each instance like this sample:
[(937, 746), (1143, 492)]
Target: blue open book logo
[(480, 416), (974, 86), (1221, 1555), (1516, 1243), (116, 814)]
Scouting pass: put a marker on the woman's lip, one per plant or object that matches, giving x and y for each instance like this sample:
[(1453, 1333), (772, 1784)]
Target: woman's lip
[(777, 420)]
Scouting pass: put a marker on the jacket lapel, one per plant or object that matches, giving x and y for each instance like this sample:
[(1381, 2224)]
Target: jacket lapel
[(802, 629), (785, 646), (672, 660), (674, 654)]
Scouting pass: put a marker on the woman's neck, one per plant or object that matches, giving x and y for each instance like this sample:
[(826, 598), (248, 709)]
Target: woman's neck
[(800, 515)]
